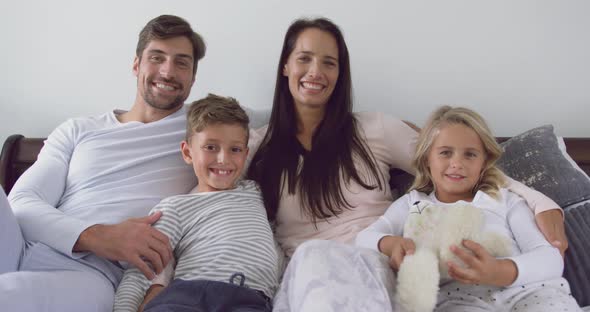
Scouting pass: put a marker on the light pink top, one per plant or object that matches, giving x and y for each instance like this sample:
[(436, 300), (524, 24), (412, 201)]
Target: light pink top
[(392, 143)]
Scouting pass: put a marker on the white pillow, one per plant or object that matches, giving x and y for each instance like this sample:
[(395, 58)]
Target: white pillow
[(562, 148)]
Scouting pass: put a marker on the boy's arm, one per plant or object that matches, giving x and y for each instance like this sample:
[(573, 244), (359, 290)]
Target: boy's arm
[(131, 291), (134, 285), (167, 274), (152, 292)]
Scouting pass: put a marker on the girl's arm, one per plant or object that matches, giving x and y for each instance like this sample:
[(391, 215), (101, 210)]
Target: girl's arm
[(384, 235), (396, 248), (482, 268), (548, 214), (538, 259), (390, 224)]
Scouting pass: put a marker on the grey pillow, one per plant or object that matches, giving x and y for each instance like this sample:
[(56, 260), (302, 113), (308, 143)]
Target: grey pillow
[(534, 159), (577, 256)]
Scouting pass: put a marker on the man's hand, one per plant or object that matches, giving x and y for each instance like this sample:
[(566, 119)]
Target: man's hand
[(550, 222), (133, 240), (481, 268), (396, 248)]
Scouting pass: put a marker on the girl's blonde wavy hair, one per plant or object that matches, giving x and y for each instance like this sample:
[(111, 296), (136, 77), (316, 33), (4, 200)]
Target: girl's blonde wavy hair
[(491, 178)]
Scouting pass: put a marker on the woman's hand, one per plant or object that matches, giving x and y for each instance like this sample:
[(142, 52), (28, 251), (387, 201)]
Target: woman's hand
[(396, 248), (550, 222), (481, 268)]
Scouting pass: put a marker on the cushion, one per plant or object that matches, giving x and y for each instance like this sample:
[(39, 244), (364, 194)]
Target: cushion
[(534, 158), (577, 256), (258, 117)]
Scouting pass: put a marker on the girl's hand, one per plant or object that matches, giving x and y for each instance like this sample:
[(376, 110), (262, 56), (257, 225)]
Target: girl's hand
[(481, 268), (396, 248)]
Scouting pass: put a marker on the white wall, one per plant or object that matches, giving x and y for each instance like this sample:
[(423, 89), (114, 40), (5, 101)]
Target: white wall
[(519, 63)]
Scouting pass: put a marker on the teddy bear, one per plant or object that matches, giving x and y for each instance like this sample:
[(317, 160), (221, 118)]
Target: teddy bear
[(434, 229)]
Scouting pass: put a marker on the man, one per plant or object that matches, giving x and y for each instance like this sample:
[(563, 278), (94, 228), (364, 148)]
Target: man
[(81, 207)]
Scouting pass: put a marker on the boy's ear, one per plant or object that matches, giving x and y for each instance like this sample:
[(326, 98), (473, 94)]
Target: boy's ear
[(186, 152)]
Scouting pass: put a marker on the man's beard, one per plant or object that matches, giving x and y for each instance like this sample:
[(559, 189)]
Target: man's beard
[(152, 100)]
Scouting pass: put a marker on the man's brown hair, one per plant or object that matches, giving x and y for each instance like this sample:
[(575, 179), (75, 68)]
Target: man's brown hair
[(170, 26)]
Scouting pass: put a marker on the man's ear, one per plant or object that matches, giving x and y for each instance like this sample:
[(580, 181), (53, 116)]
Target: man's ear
[(136, 66), (186, 152), (195, 75)]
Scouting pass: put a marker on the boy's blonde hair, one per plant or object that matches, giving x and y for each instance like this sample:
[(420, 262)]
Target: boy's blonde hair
[(215, 109), (491, 178)]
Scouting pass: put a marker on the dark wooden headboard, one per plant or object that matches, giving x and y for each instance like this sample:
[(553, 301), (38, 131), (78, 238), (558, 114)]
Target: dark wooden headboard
[(579, 150), (19, 153)]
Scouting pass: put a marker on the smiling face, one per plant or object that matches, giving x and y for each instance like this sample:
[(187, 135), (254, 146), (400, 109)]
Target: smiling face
[(312, 68), (217, 154), (165, 72), (456, 159)]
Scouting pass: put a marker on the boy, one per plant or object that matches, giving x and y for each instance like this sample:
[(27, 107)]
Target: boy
[(222, 241)]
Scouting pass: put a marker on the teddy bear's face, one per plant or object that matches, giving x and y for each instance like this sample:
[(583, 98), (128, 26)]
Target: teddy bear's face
[(421, 223)]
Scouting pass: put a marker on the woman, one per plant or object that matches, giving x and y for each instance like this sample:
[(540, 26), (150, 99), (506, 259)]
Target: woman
[(324, 171)]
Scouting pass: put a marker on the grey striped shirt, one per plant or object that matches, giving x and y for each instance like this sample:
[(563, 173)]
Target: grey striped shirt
[(213, 235)]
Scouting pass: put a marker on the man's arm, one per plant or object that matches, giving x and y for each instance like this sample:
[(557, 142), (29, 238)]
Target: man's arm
[(134, 241), (37, 193)]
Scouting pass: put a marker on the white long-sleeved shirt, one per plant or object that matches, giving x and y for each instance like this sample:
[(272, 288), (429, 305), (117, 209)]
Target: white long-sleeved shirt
[(213, 235), (535, 258), (97, 170)]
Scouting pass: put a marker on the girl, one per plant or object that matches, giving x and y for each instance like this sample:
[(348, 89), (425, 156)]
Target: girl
[(455, 161)]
